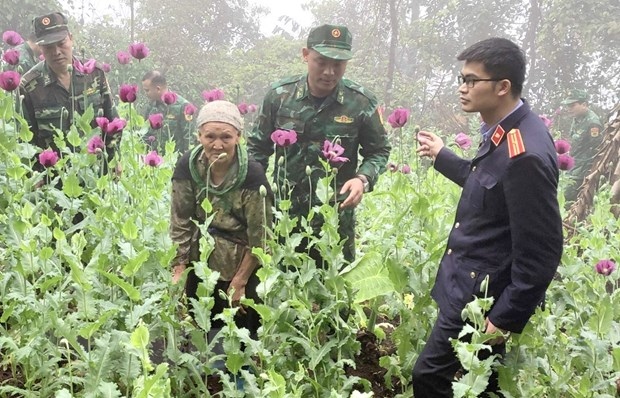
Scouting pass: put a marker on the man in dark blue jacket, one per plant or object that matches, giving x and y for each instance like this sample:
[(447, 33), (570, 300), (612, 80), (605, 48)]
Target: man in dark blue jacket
[(508, 225)]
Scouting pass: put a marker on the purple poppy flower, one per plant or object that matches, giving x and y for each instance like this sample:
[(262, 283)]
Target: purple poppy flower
[(95, 145), (123, 57), (398, 118), (153, 159), (562, 146), (565, 162), (463, 141), (169, 98), (392, 167), (48, 158), (116, 126), (332, 152), (252, 108), (213, 95), (156, 120), (138, 51), (405, 169), (548, 122), (243, 108), (605, 267), (151, 139), (12, 38), (9, 80), (189, 109), (284, 138), (86, 68), (128, 92), (11, 56), (102, 122), (106, 67)]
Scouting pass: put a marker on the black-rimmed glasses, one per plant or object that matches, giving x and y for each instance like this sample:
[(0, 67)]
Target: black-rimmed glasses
[(470, 81)]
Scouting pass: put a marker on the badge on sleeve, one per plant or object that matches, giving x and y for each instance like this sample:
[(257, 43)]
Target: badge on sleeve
[(498, 135), (515, 143), (594, 131)]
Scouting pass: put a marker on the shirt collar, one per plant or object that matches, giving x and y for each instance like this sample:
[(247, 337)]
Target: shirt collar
[(487, 130)]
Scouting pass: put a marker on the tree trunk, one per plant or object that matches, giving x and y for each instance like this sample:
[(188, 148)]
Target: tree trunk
[(389, 83)]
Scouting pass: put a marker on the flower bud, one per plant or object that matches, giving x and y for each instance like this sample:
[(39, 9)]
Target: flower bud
[(65, 113), (100, 112), (334, 170), (308, 171), (69, 68), (263, 191), (280, 160)]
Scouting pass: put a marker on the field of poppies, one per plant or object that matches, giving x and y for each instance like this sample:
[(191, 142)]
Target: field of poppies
[(87, 307)]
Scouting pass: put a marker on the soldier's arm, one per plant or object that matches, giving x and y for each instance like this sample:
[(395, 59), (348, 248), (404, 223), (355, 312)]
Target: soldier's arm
[(260, 146), (374, 146), (28, 111)]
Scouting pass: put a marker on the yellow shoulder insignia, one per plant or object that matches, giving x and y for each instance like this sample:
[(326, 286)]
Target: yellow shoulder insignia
[(594, 131), (515, 143), (343, 119)]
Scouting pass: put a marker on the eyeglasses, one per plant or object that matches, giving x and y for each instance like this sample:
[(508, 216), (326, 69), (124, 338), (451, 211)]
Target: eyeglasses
[(471, 81)]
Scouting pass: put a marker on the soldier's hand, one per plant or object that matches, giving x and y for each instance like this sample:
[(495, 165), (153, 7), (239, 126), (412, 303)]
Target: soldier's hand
[(355, 187), (177, 272)]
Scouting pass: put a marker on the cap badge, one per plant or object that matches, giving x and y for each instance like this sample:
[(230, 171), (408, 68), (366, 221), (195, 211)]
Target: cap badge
[(336, 33), (45, 21)]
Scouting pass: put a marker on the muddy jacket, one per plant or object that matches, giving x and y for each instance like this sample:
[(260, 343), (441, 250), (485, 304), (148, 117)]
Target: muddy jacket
[(177, 126), (48, 105), (240, 212)]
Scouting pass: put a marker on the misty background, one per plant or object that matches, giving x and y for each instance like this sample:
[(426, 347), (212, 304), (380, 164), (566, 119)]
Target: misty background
[(405, 50)]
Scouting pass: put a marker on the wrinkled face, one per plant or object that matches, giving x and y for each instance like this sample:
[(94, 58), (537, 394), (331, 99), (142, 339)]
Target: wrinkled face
[(482, 97), (577, 109), (218, 138), (152, 91), (323, 73), (59, 55)]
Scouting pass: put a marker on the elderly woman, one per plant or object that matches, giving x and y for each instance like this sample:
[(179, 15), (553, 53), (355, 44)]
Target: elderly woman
[(219, 169)]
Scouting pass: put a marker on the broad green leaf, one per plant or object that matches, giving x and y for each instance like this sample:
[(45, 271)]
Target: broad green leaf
[(130, 229), (131, 291), (134, 264), (71, 186), (370, 277)]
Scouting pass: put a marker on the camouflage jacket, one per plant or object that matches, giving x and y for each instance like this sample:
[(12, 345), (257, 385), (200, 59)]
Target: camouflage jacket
[(240, 212), (177, 126), (349, 116), (48, 105), (586, 135)]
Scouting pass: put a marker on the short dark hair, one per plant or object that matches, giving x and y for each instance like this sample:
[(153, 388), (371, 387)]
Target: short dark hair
[(155, 77), (502, 58)]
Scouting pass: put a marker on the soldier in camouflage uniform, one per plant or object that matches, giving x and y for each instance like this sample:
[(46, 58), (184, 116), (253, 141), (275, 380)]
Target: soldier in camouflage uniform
[(29, 52), (321, 105), (585, 135), (219, 169), (54, 89), (176, 124)]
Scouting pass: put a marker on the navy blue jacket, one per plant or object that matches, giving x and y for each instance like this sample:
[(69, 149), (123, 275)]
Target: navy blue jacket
[(507, 225)]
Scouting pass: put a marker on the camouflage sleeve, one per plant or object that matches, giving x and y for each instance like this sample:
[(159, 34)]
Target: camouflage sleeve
[(28, 111), (260, 146), (257, 213), (374, 145), (182, 227)]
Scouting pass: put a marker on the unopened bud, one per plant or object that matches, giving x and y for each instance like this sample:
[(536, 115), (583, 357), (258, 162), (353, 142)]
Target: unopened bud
[(100, 112), (416, 129), (65, 113), (308, 171), (69, 68), (280, 160), (334, 170), (263, 191)]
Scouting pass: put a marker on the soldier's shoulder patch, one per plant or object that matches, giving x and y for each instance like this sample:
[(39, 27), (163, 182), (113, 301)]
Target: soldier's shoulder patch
[(594, 131), (515, 143), (343, 119)]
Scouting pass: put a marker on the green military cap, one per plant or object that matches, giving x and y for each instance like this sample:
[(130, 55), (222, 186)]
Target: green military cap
[(576, 95), (331, 41), (50, 28)]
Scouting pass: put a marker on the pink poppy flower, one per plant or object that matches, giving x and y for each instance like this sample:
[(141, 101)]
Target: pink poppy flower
[(106, 67), (123, 57), (116, 126), (128, 92), (156, 120), (405, 169), (252, 108), (565, 162), (189, 109), (12, 38), (9, 80), (463, 141), (48, 158), (11, 56), (95, 145), (605, 267), (213, 95), (169, 98), (398, 118), (562, 146), (102, 122), (392, 167), (153, 159), (332, 152), (548, 122), (138, 51), (284, 138), (243, 108), (86, 68)]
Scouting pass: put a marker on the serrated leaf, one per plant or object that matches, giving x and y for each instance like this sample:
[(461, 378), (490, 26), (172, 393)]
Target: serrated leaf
[(71, 186), (131, 291), (370, 277)]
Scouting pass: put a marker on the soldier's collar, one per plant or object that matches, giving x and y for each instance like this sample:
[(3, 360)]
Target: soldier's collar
[(302, 90)]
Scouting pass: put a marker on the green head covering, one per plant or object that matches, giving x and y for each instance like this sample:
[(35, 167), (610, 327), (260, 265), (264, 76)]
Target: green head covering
[(331, 41)]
